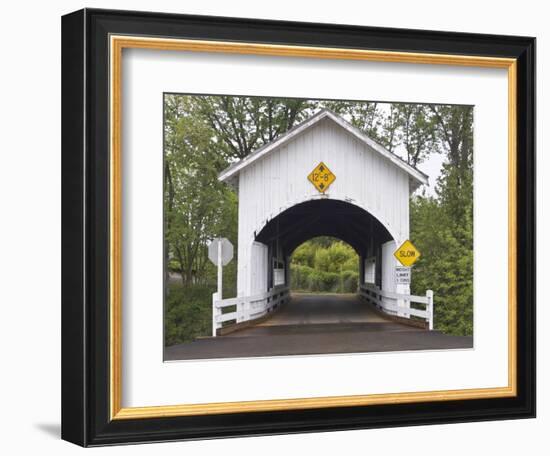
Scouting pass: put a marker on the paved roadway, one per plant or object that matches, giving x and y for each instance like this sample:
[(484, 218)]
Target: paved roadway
[(316, 324)]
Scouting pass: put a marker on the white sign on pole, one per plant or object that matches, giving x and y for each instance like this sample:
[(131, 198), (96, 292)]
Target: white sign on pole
[(402, 275), (220, 252), (226, 251)]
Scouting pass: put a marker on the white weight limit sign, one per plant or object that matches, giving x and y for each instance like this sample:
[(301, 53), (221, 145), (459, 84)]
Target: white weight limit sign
[(402, 275)]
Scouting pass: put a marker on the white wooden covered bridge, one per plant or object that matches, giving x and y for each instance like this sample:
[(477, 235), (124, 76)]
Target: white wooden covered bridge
[(324, 177)]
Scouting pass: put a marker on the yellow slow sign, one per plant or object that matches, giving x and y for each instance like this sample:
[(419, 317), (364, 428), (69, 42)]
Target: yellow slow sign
[(321, 177), (407, 254)]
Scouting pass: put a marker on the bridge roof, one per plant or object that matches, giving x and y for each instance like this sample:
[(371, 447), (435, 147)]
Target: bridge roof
[(230, 173)]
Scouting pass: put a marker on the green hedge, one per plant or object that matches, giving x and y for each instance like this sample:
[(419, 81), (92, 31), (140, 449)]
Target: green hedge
[(188, 313), (324, 264), (305, 278)]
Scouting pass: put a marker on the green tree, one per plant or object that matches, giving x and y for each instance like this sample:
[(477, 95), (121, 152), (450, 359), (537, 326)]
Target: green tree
[(364, 115), (442, 226), (416, 132), (325, 264), (390, 123), (197, 206), (243, 124)]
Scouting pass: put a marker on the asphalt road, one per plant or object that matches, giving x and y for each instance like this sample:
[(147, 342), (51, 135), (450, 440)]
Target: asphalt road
[(317, 324)]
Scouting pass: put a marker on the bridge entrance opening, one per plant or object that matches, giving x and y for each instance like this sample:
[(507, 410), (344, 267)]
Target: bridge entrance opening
[(323, 251), (324, 280), (324, 245), (324, 264)]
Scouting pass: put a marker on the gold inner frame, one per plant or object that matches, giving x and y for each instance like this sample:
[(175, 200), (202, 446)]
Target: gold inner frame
[(117, 44)]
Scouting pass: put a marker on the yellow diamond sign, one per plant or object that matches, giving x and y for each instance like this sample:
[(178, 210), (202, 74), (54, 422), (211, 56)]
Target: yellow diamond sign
[(407, 254), (321, 177)]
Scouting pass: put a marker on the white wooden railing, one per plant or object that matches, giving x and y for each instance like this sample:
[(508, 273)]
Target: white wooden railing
[(389, 303), (247, 307)]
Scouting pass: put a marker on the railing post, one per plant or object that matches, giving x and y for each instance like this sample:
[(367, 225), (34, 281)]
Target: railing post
[(430, 308), (215, 313), (243, 308)]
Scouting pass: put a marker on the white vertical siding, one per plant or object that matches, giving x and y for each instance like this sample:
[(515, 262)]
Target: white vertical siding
[(389, 263), (278, 277), (279, 180), (370, 270), (258, 273)]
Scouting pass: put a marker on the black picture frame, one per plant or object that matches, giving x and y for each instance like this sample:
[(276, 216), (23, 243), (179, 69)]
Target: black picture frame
[(85, 228)]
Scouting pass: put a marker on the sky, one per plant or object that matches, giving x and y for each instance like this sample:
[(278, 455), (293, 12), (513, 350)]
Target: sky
[(431, 167)]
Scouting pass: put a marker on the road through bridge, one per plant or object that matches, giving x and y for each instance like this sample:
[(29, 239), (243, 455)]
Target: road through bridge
[(319, 324)]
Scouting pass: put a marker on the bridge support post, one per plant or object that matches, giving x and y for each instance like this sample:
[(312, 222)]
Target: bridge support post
[(430, 309)]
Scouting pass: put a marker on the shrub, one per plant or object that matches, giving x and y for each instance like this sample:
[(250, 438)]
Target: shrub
[(351, 281), (188, 313), (304, 278)]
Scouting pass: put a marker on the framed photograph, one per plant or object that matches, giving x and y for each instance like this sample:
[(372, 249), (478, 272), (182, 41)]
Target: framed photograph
[(279, 227)]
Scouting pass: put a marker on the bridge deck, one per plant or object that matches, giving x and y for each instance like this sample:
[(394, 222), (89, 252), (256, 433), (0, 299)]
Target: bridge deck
[(317, 324)]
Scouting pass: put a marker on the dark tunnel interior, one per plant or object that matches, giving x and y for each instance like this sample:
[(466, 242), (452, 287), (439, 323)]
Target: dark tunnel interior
[(322, 217)]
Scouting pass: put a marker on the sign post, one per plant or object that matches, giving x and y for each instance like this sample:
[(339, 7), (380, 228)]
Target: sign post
[(220, 269), (220, 252)]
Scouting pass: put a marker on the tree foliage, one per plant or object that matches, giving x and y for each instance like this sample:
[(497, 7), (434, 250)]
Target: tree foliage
[(325, 264), (242, 124), (442, 226), (197, 206)]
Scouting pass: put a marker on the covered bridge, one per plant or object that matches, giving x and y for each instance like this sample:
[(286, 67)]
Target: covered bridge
[(322, 177)]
